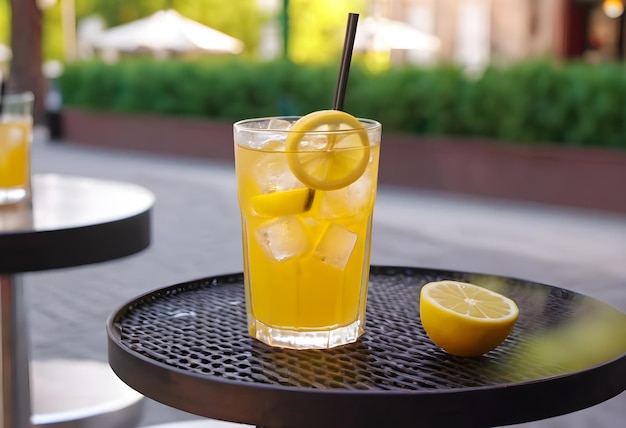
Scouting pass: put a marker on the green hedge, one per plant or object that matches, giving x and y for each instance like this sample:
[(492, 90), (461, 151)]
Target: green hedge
[(535, 102)]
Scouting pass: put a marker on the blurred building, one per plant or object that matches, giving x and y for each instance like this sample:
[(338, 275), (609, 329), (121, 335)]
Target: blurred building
[(594, 29), (477, 32)]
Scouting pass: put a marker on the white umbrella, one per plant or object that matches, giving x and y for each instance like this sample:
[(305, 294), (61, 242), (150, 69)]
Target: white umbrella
[(381, 34), (167, 30)]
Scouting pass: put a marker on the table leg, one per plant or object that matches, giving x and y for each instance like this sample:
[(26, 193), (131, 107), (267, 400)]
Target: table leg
[(15, 395)]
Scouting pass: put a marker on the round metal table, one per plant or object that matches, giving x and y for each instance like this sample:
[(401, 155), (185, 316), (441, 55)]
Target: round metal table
[(70, 221), (187, 346)]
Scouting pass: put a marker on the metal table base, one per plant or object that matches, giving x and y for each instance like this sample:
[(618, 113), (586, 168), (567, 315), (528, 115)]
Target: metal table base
[(81, 394), (15, 407), (70, 221)]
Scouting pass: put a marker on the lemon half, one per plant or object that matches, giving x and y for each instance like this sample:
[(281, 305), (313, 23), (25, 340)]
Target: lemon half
[(464, 319), (283, 203), (337, 163)]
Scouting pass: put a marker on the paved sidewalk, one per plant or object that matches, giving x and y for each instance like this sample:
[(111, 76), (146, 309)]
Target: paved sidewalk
[(196, 234)]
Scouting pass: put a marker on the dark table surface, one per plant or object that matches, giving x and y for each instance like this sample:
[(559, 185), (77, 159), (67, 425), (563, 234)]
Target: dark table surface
[(187, 346), (73, 221)]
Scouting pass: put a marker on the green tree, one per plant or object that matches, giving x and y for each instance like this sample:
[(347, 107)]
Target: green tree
[(52, 42), (317, 28), (4, 22), (241, 18)]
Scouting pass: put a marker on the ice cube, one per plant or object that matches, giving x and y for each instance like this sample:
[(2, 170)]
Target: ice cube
[(336, 246), (283, 238), (14, 135), (349, 201), (314, 142), (270, 143), (278, 124), (273, 174)]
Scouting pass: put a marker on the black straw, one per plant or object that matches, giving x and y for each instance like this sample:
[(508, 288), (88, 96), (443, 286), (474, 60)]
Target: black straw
[(344, 69)]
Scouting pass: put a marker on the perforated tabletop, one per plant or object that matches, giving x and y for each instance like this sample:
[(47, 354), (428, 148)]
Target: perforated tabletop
[(187, 346)]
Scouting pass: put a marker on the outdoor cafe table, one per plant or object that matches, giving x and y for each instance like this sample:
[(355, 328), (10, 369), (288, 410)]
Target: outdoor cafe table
[(187, 346), (70, 221)]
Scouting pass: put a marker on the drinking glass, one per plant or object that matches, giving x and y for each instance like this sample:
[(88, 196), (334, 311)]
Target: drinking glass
[(306, 236), (16, 131)]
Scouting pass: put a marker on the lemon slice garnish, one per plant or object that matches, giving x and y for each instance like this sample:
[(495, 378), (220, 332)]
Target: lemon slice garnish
[(338, 160), (283, 203), (464, 319)]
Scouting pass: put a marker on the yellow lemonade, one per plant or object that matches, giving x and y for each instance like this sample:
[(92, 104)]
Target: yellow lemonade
[(14, 152), (306, 250)]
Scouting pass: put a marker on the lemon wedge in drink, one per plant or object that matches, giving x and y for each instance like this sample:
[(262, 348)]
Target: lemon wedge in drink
[(464, 319), (327, 149), (283, 203)]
